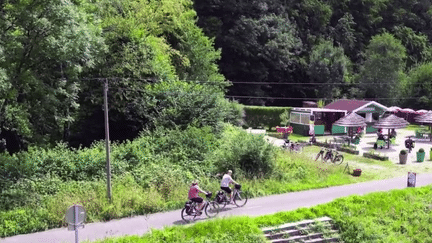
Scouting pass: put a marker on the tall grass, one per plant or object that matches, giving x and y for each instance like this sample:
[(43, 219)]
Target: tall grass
[(150, 174)]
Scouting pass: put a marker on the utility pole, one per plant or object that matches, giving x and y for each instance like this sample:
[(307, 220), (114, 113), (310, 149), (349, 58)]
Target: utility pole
[(108, 165)]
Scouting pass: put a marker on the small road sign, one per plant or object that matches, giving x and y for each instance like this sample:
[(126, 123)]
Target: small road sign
[(76, 216)]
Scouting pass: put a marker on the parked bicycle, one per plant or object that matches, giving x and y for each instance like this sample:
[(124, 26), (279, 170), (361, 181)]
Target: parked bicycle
[(189, 212), (293, 147), (240, 198), (329, 154), (321, 154), (335, 157)]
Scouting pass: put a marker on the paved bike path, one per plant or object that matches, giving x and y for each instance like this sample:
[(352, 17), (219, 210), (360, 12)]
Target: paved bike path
[(258, 206)]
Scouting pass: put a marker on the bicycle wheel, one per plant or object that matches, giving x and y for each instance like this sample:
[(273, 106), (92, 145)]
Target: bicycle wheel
[(222, 202), (240, 198), (188, 217), (211, 209), (339, 159)]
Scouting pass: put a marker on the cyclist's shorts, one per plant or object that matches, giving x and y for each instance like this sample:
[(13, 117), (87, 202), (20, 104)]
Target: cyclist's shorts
[(197, 199), (227, 189)]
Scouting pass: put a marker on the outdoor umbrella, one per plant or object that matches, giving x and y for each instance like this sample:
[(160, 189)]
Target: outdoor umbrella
[(390, 122), (426, 118), (394, 109), (421, 111), (408, 111), (350, 121)]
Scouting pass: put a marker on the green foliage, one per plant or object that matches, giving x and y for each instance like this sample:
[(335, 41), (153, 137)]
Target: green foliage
[(328, 65), (421, 150), (403, 151), (385, 60), (254, 156), (180, 104), (266, 116), (152, 180), (45, 45), (417, 84), (417, 45)]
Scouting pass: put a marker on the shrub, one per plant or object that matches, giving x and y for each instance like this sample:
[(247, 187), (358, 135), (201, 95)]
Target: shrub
[(421, 150), (403, 151), (246, 154)]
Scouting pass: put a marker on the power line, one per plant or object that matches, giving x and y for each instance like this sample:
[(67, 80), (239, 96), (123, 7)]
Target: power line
[(284, 98), (117, 79), (304, 83)]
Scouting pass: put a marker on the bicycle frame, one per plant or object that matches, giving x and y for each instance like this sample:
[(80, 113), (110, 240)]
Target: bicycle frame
[(194, 207), (235, 191)]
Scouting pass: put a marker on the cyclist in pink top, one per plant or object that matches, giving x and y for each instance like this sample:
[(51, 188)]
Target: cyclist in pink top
[(193, 195)]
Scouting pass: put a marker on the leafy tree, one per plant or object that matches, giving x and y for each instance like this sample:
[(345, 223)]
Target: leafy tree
[(328, 64), (383, 69), (344, 34), (149, 42), (417, 45), (46, 46), (180, 104), (418, 84), (261, 50)]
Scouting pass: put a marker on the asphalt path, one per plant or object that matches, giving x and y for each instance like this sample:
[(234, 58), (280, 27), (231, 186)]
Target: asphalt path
[(139, 225)]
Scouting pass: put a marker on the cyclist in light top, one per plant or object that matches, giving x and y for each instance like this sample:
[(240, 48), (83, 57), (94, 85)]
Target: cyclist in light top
[(193, 195), (226, 180)]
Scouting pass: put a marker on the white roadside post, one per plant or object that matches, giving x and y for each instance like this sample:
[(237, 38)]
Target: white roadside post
[(411, 179), (75, 217)]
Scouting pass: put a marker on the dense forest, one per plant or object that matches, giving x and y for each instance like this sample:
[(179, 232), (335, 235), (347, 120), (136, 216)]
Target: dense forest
[(366, 49), (175, 63)]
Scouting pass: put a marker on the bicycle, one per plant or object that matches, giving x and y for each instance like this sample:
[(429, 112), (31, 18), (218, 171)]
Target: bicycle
[(240, 198), (323, 156), (296, 147), (334, 157), (210, 208), (320, 154)]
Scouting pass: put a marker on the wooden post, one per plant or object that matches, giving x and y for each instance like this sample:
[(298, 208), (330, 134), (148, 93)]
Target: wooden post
[(388, 138), (107, 145)]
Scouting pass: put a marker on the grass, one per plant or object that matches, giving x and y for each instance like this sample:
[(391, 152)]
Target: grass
[(375, 217), (294, 172), (292, 137), (412, 127)]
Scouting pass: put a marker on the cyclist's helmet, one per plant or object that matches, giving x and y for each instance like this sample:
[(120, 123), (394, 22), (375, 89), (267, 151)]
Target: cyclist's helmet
[(195, 182)]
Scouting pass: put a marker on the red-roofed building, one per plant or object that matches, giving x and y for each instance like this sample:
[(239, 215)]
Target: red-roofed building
[(321, 120)]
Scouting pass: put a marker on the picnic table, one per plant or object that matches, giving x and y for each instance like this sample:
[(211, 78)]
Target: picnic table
[(422, 134)]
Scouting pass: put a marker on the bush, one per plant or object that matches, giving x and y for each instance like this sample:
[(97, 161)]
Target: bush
[(403, 151), (246, 154), (421, 150)]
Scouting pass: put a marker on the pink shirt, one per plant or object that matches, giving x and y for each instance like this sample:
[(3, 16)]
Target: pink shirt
[(193, 192)]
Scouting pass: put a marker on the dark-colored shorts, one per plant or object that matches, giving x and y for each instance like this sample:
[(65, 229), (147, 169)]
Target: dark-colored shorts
[(197, 199), (227, 189)]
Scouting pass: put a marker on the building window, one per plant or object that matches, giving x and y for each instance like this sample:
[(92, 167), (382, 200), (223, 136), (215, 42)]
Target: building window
[(295, 117), (305, 119)]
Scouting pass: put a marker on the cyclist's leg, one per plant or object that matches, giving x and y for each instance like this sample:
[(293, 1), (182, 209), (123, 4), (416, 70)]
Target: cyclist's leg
[(227, 191), (232, 196), (199, 202)]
